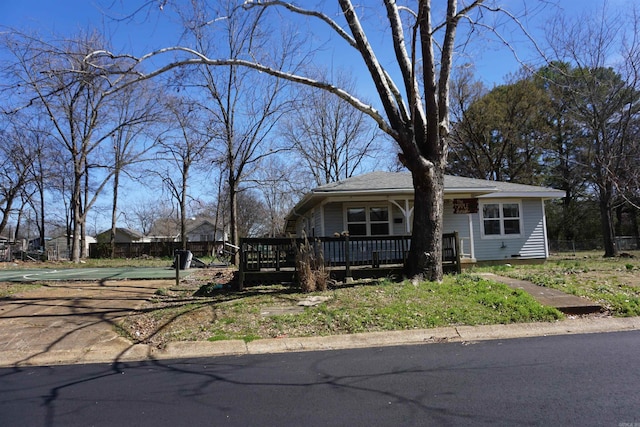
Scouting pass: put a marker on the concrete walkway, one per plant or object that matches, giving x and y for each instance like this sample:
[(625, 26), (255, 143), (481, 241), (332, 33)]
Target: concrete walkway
[(569, 304), (75, 323)]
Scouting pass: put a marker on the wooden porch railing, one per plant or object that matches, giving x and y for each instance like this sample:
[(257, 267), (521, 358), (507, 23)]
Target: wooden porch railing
[(273, 255)]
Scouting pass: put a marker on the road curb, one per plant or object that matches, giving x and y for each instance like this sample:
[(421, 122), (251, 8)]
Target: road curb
[(413, 337), (120, 350), (563, 327), (361, 340)]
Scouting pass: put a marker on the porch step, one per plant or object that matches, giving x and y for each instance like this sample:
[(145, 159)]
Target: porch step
[(569, 304)]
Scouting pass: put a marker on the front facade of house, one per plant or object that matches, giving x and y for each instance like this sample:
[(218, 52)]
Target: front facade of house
[(204, 230), (495, 221)]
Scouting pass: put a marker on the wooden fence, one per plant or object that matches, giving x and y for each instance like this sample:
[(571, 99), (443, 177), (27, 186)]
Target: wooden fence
[(273, 260), (153, 249)]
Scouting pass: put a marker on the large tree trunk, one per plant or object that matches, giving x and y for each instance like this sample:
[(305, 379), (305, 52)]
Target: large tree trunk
[(41, 226), (75, 256), (568, 216), (634, 225), (183, 207), (425, 256), (114, 218), (608, 235), (77, 215), (233, 213)]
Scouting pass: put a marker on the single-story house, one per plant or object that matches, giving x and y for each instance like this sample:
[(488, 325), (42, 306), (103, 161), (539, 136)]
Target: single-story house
[(495, 221), (123, 235)]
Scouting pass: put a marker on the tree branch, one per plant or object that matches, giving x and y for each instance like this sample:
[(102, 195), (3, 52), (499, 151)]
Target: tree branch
[(200, 59)]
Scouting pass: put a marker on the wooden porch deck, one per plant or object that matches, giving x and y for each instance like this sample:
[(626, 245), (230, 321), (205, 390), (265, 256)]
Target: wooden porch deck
[(273, 260)]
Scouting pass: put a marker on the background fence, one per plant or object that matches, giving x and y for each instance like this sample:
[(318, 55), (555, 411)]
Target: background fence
[(624, 243), (152, 249)]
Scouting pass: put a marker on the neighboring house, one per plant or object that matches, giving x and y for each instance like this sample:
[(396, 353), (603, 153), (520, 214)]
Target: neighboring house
[(57, 247), (164, 230), (123, 235), (204, 230), (494, 220), (35, 244)]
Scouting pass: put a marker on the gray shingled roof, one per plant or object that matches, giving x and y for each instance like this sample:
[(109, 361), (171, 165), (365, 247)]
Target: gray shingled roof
[(133, 233), (375, 184), (401, 182)]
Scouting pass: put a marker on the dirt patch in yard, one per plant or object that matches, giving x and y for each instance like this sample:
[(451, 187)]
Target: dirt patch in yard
[(174, 312)]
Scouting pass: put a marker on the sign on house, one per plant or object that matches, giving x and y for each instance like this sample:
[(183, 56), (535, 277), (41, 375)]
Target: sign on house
[(465, 206)]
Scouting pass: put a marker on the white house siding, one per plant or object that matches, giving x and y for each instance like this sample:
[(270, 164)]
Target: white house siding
[(398, 228), (455, 222), (460, 223), (317, 221), (531, 244), (333, 219), (535, 246)]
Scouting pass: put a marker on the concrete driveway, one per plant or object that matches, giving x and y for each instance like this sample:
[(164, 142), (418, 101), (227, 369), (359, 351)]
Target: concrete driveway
[(69, 322)]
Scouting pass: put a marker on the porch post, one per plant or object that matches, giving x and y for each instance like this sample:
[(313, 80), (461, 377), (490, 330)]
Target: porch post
[(471, 240), (406, 213), (456, 245), (347, 268), (241, 267)]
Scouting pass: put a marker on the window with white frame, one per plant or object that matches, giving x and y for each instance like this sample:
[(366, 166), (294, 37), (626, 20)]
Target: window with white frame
[(501, 219), (368, 221)]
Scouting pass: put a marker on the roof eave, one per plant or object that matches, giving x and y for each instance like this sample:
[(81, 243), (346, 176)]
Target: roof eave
[(545, 194)]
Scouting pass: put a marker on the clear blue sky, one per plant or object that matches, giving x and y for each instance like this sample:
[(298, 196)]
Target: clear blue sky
[(493, 61)]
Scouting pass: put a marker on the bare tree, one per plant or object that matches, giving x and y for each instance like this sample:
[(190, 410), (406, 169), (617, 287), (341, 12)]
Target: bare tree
[(165, 221), (139, 109), (416, 108), (41, 170), (280, 183), (245, 105), (142, 216), (17, 153), (54, 79), (331, 138), (251, 220), (182, 149), (417, 121)]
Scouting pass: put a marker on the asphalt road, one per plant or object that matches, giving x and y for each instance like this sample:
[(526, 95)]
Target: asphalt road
[(562, 380)]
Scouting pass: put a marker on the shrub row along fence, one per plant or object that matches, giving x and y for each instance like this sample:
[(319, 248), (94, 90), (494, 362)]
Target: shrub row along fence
[(152, 249)]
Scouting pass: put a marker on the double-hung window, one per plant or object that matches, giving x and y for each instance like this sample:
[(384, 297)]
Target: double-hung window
[(368, 221), (501, 219)]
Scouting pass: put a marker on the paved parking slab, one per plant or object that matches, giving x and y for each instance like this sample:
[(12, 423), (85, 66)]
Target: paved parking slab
[(90, 274)]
